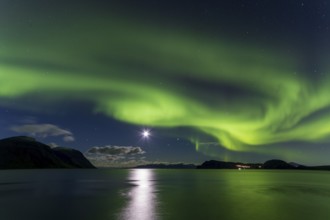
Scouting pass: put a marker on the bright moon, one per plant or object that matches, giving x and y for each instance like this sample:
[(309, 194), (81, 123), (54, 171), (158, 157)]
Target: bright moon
[(145, 133)]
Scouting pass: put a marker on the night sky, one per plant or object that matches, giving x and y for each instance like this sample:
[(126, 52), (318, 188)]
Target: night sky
[(227, 80)]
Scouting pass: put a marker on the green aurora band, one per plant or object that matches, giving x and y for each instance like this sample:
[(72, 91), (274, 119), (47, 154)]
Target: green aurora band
[(243, 96)]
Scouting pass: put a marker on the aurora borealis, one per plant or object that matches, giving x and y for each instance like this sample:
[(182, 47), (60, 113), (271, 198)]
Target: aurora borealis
[(251, 83)]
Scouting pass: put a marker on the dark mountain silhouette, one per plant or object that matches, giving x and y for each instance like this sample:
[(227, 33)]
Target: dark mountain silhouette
[(270, 164), (214, 164), (296, 164), (26, 153), (277, 164)]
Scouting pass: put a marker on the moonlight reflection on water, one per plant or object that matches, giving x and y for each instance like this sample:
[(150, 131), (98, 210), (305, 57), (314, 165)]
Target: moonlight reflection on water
[(142, 198)]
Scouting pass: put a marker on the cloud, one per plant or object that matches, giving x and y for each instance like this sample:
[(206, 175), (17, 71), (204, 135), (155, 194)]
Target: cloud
[(120, 156), (68, 138), (43, 131), (116, 150), (53, 145), (116, 156)]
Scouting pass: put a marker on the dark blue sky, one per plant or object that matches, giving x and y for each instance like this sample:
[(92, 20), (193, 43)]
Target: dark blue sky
[(228, 80)]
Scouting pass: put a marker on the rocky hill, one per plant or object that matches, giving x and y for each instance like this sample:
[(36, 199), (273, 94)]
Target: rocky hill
[(278, 164), (270, 164), (27, 153), (214, 164)]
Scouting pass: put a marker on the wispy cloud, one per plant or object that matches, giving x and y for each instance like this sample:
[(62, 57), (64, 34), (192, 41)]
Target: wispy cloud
[(116, 156), (43, 131), (116, 150), (53, 145)]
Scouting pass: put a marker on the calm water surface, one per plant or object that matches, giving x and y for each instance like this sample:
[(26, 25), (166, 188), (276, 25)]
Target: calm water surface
[(145, 194)]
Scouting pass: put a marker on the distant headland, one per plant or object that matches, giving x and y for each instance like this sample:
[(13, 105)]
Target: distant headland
[(270, 164), (214, 164), (26, 153)]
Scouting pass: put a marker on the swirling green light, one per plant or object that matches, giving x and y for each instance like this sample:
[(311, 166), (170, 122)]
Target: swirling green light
[(242, 96)]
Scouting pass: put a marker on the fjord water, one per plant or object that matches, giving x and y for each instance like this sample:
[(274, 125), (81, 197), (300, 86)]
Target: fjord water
[(146, 194)]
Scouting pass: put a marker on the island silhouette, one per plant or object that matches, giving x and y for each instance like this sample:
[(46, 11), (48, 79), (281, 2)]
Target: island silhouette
[(24, 152)]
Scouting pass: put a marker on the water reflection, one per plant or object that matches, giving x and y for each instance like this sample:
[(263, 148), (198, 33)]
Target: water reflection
[(142, 197)]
